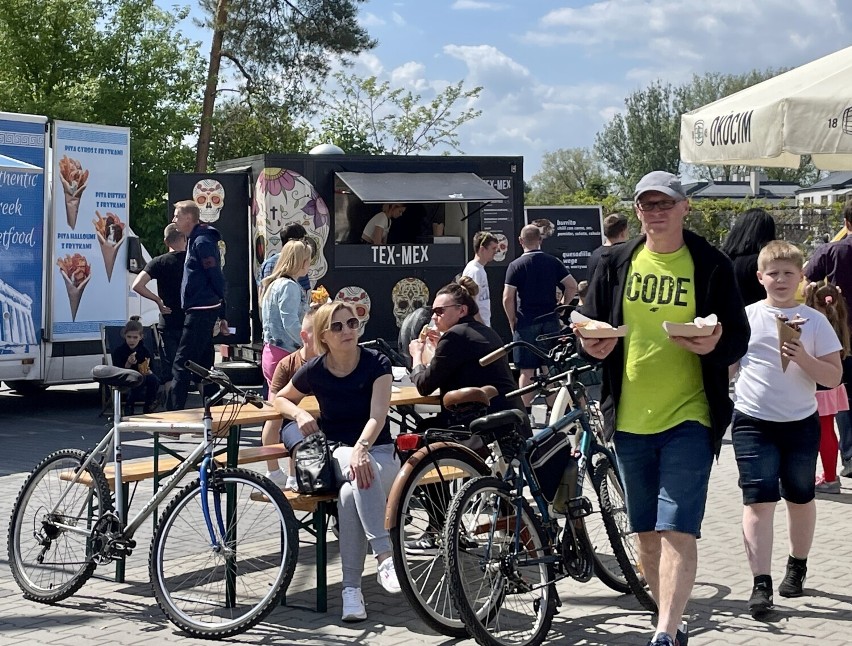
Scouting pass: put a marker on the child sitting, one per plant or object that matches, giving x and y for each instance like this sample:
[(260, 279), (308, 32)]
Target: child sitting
[(133, 355)]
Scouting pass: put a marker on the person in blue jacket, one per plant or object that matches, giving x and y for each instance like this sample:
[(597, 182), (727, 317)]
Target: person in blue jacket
[(202, 297)]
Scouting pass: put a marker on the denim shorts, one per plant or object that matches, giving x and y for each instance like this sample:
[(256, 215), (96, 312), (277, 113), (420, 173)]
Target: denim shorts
[(291, 435), (522, 357), (776, 459), (665, 477)]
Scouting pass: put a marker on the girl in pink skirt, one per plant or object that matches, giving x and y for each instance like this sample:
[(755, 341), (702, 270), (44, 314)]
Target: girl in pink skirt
[(828, 300)]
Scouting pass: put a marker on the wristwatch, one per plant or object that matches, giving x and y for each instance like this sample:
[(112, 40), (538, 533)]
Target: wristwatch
[(364, 443)]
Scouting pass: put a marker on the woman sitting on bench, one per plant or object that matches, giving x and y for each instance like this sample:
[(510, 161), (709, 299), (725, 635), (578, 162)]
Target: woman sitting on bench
[(353, 388)]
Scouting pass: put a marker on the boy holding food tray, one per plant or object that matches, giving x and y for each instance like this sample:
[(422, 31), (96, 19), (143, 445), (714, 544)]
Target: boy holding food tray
[(665, 396), (776, 431)]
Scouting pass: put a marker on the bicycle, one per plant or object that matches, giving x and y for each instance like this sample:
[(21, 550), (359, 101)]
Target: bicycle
[(504, 558), (210, 580)]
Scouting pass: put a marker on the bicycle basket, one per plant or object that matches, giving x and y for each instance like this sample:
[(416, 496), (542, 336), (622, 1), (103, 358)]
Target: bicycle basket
[(548, 462)]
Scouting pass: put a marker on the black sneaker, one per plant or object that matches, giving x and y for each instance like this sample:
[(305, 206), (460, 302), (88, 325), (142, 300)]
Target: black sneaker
[(794, 580), (760, 603), (426, 544)]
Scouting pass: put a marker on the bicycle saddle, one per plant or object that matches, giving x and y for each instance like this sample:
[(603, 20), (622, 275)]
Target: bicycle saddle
[(499, 424), (470, 395), (119, 378)]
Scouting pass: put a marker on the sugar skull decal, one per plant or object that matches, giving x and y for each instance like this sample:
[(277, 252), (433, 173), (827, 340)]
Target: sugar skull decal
[(359, 299), (502, 247), (545, 226), (283, 197), (209, 195), (408, 295)]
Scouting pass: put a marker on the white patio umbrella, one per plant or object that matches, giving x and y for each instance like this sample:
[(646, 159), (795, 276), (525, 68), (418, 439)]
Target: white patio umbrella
[(10, 163), (806, 111)]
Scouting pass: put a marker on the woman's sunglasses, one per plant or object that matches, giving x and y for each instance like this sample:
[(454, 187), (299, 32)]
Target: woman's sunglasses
[(337, 326), (439, 311)]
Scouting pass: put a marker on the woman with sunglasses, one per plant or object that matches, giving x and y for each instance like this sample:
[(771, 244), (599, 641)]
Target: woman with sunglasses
[(460, 341), (353, 388)]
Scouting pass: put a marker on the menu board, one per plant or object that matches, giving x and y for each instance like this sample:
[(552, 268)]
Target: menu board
[(88, 270), (571, 233), (497, 217)]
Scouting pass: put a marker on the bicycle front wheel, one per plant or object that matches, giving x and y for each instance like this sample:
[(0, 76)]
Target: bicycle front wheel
[(417, 511), (218, 588), (625, 545), (500, 565), (51, 547)]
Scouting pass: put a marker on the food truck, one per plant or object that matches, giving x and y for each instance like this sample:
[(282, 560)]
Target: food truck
[(65, 248), (447, 199)]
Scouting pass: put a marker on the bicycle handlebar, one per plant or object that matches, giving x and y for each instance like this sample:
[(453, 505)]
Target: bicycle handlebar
[(224, 382)]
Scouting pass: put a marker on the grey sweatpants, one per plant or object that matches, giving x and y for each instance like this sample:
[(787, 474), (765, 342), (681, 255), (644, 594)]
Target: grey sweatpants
[(361, 512)]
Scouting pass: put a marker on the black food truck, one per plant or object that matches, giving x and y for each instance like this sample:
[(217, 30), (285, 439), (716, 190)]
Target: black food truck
[(448, 199)]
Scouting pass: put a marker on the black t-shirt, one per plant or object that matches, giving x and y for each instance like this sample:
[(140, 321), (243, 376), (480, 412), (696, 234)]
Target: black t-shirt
[(535, 275), (167, 270), (120, 354), (345, 401)]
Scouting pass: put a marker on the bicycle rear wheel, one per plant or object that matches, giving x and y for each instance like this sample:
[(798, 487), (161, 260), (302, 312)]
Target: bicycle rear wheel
[(215, 591), (503, 592), (622, 538), (418, 511), (607, 569), (49, 560)]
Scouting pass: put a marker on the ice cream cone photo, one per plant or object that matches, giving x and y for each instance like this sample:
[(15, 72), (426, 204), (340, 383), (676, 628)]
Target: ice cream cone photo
[(74, 181), (787, 331), (76, 274), (110, 232)]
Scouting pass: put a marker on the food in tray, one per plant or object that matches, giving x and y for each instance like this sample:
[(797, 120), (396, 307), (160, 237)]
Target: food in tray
[(76, 273), (74, 180), (700, 326), (319, 296), (592, 329), (110, 232)]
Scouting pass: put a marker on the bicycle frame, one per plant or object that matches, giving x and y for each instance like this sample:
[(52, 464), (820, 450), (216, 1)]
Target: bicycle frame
[(113, 440)]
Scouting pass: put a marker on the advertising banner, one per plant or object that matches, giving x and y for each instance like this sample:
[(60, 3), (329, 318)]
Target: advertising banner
[(223, 200), (22, 206), (88, 271), (571, 233), (498, 218)]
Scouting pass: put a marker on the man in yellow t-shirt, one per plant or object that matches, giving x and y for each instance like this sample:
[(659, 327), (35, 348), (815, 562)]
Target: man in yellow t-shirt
[(666, 398)]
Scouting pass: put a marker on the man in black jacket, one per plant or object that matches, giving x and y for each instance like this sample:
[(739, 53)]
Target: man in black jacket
[(666, 398), (202, 297)]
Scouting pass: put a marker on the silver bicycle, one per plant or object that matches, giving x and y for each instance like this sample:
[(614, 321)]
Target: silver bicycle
[(221, 556)]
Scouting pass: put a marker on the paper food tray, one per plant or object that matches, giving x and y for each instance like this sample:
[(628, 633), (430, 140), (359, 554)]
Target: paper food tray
[(699, 327), (597, 333)]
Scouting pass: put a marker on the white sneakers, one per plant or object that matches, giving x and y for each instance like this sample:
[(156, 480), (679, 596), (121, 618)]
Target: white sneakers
[(353, 605), (282, 480), (387, 576), (353, 600)]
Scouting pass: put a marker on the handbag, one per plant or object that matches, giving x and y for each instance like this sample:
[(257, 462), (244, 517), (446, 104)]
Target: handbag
[(314, 469)]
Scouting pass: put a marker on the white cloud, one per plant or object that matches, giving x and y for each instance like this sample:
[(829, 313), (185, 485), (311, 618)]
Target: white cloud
[(368, 19), (411, 75), (477, 5), (398, 20)]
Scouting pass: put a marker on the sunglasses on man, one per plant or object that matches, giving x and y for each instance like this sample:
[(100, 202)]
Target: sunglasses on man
[(439, 311)]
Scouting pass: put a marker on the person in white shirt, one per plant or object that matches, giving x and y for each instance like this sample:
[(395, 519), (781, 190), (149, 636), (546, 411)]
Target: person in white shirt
[(376, 231), (775, 430), (485, 245)]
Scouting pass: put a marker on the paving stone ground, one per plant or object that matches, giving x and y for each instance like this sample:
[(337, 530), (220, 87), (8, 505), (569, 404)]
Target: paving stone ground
[(105, 612)]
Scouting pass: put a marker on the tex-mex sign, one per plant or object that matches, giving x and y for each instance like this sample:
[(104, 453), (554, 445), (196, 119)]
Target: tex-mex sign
[(399, 255)]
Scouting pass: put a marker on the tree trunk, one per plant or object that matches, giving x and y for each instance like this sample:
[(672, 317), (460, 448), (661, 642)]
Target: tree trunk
[(211, 87)]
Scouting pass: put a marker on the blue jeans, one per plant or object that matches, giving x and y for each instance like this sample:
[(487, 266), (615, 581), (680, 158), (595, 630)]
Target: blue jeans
[(665, 477), (776, 459)]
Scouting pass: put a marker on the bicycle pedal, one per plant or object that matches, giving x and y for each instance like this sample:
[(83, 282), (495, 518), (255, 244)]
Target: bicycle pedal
[(579, 507)]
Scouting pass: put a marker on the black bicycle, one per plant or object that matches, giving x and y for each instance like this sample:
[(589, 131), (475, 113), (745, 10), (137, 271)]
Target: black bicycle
[(503, 557)]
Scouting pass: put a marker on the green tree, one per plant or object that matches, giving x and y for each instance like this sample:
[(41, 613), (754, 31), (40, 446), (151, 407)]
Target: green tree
[(644, 138), (278, 48), (366, 116), (241, 129), (116, 62), (567, 170)]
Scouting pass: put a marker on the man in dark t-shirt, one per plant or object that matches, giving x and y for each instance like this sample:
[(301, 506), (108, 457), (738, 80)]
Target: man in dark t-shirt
[(167, 270), (529, 294)]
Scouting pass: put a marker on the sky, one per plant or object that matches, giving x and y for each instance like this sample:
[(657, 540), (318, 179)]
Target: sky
[(554, 72)]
